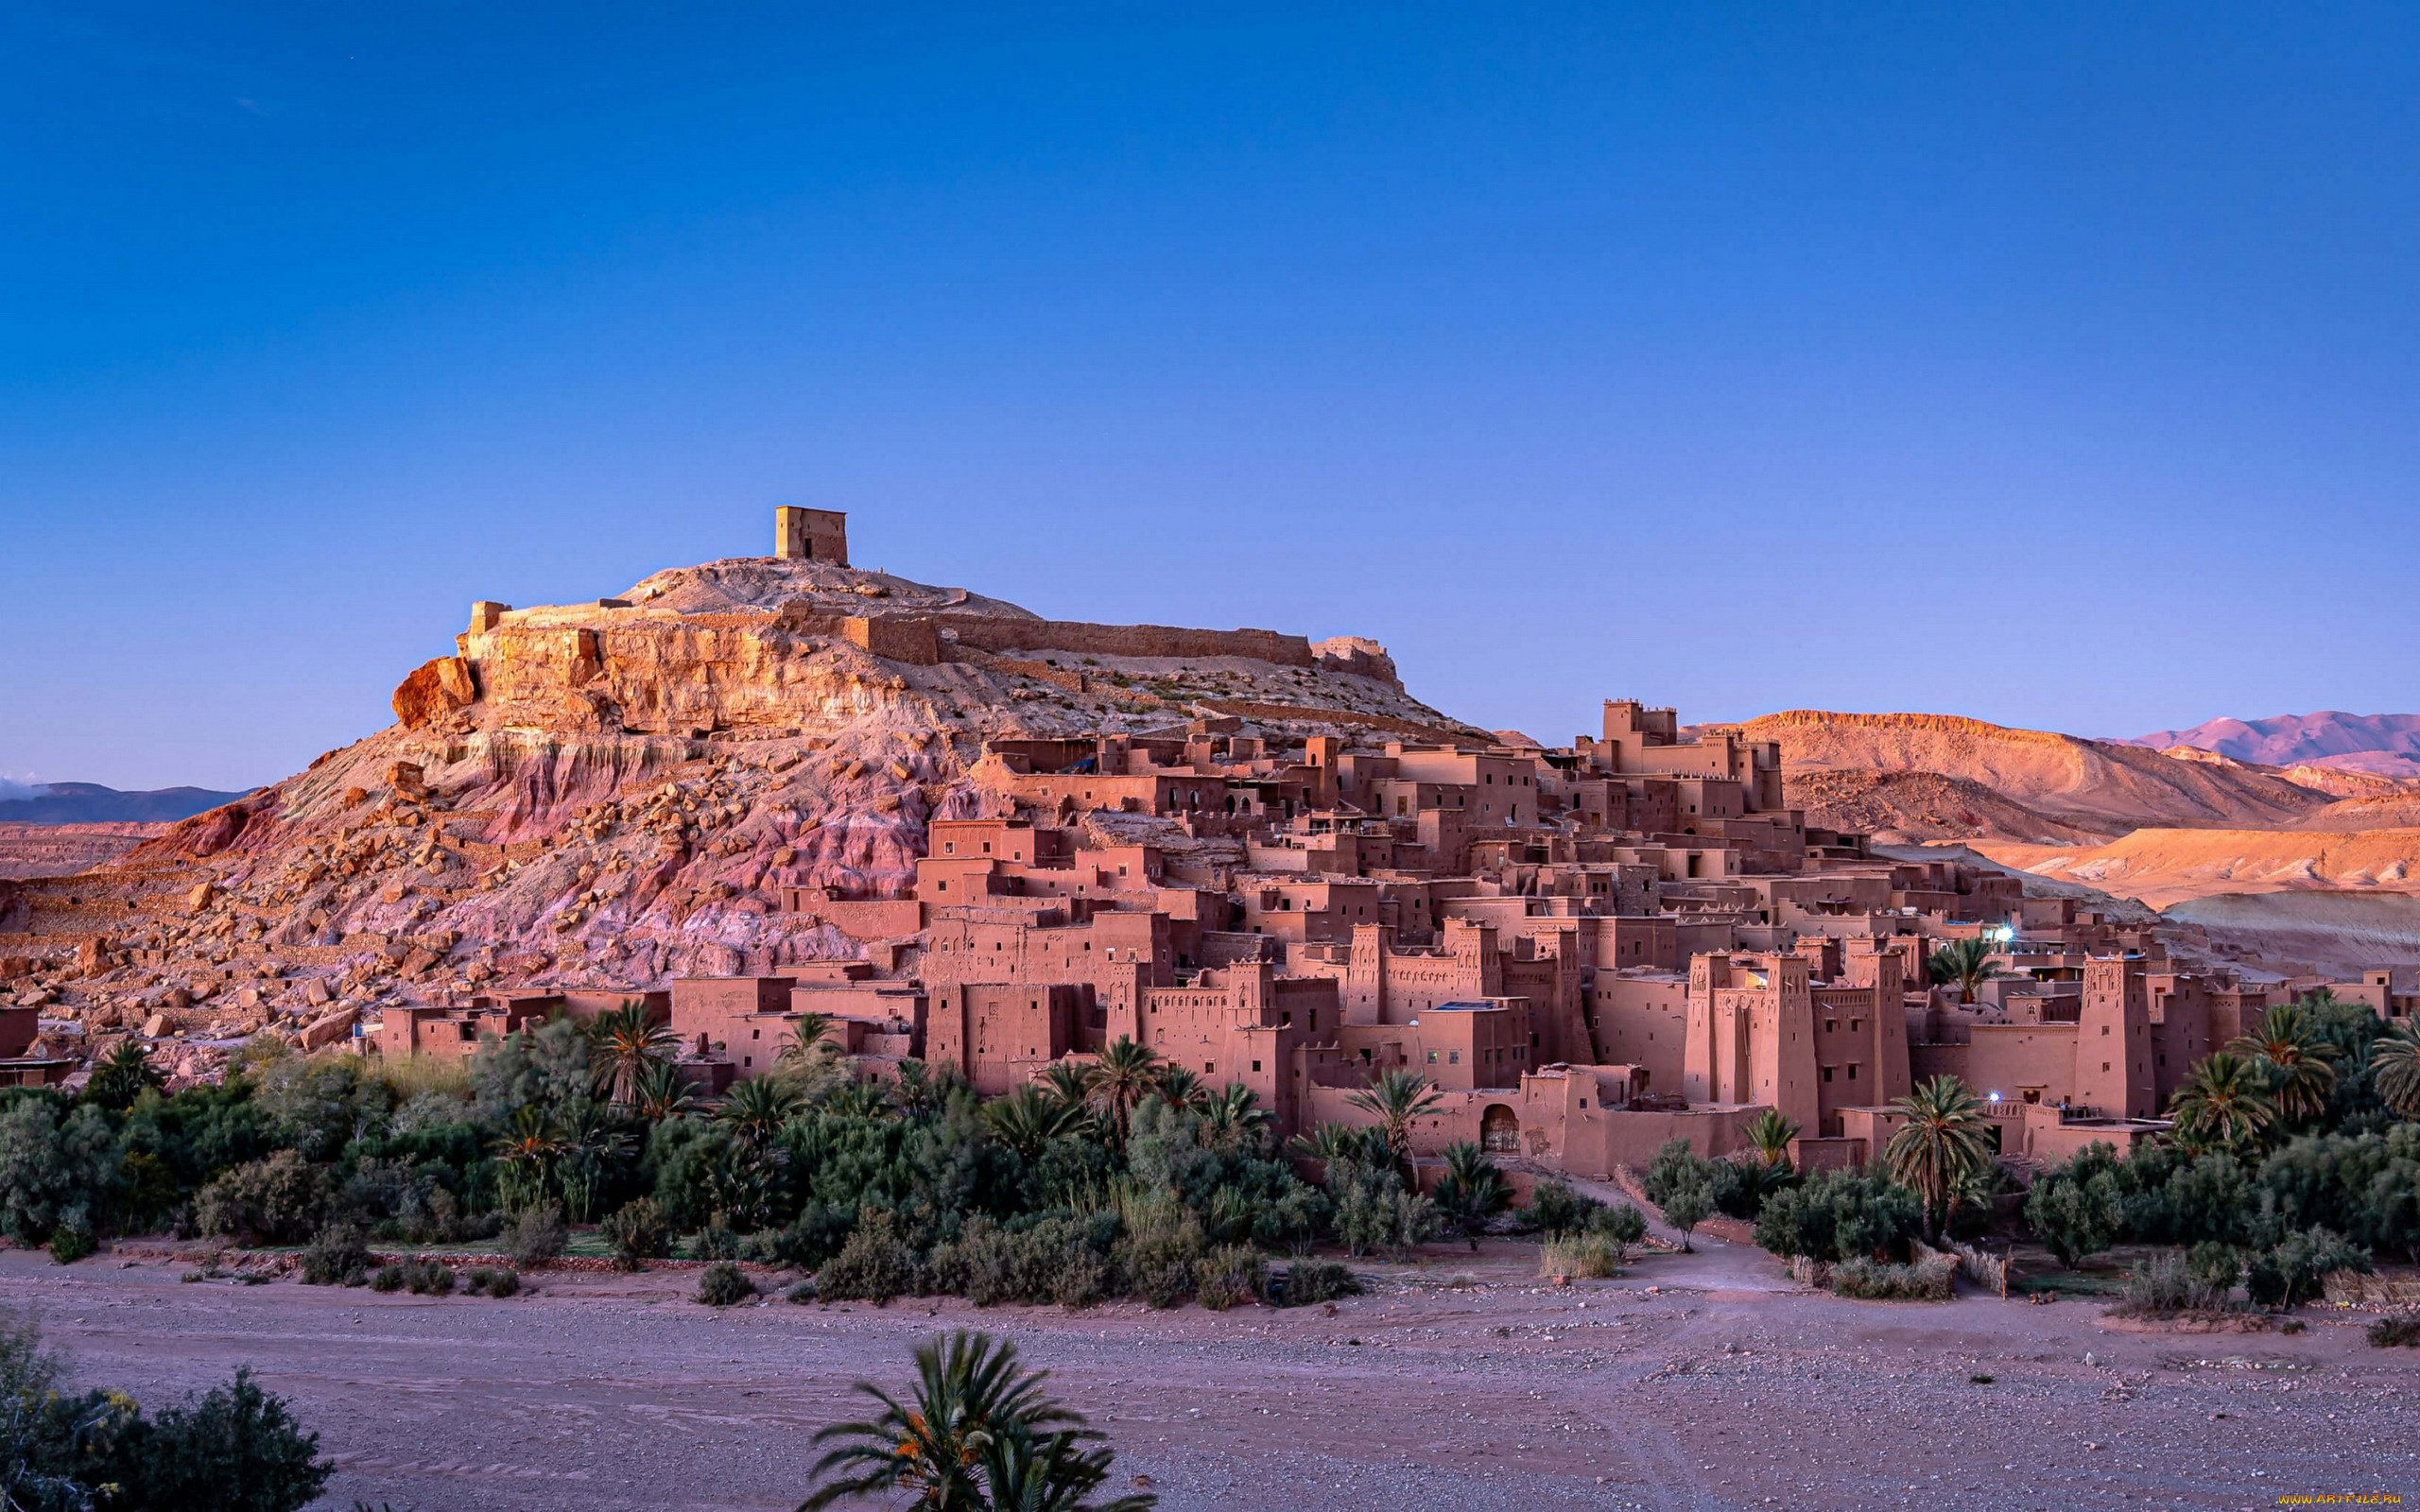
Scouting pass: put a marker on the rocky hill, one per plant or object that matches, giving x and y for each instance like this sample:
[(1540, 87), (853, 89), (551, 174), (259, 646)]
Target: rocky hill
[(2060, 787), (2385, 745), (607, 793)]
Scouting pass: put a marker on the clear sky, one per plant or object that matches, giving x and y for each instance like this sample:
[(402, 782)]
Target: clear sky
[(2051, 364)]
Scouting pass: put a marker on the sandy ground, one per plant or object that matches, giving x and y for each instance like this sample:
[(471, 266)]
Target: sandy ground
[(1696, 1382)]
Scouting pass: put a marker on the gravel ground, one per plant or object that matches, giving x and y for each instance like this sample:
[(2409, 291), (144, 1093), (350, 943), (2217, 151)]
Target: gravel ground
[(1698, 1383)]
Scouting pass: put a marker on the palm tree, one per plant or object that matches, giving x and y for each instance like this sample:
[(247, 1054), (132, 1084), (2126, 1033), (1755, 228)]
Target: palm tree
[(941, 1448), (1124, 1074), (1394, 1099), (622, 1043), (923, 1089), (663, 1092), (1064, 1080), (805, 1045), (1945, 1141), (757, 1109), (1966, 962), (1770, 1133), (1331, 1142), (1234, 1119), (2394, 1065), (2290, 1049), (1472, 1190), (859, 1100), (1028, 1118), (1181, 1087), (527, 1151), (2224, 1099), (121, 1076), (1051, 1472), (587, 1148)]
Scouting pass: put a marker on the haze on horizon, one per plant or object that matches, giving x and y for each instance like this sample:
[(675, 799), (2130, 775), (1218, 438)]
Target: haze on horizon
[(2045, 364)]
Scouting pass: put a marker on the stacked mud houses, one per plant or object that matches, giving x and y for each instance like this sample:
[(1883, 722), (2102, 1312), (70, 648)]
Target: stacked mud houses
[(1261, 859)]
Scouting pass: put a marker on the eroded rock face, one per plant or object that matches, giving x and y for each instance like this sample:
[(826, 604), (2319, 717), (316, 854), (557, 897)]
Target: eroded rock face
[(613, 793)]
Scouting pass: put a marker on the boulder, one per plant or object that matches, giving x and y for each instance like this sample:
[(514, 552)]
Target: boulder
[(433, 689), (327, 1028)]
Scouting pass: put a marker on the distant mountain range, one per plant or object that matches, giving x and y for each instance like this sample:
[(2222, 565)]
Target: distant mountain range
[(2386, 745), (92, 803)]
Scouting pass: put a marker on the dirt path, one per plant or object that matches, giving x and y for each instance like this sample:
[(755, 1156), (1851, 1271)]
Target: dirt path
[(605, 1394)]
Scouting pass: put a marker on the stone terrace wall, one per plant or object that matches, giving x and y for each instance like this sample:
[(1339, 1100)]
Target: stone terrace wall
[(990, 633)]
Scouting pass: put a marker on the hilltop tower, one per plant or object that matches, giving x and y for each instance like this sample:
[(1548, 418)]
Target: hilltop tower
[(811, 535)]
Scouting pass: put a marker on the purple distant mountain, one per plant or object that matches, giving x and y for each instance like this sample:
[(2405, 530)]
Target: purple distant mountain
[(92, 803), (2388, 744)]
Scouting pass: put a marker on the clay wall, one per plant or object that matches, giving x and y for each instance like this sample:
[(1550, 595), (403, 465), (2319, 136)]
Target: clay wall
[(743, 1017), (1001, 1033)]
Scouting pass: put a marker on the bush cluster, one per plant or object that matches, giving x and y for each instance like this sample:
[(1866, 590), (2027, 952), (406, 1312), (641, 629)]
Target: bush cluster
[(493, 1280), (236, 1446), (1840, 1215), (1873, 1281), (1049, 1196), (2175, 1284), (722, 1283)]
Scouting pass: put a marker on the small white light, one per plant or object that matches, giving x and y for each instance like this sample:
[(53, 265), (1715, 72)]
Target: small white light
[(1996, 1097)]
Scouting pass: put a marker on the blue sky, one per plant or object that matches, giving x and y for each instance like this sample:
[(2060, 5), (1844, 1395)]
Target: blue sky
[(2051, 364)]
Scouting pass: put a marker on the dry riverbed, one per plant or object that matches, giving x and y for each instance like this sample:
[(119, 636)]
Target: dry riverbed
[(1697, 1382)]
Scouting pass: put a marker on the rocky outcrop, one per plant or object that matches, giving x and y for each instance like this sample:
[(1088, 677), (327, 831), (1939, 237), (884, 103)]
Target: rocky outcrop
[(611, 793), (433, 689)]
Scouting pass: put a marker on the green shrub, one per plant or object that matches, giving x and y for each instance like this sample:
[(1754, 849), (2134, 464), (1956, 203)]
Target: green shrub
[(72, 1242), (814, 1236), (1319, 1280), (1620, 1224), (279, 1200), (801, 1293), (2291, 1272), (2402, 1330), (714, 1242), (722, 1283), (1052, 1260), (1229, 1275), (55, 1171), (638, 1233), (1687, 1205), (337, 1254), (2076, 1210), (1156, 1263), (389, 1277), (534, 1236), (1581, 1255), (1555, 1209), (875, 1266), (497, 1282), (236, 1450), (428, 1278), (1837, 1215), (1870, 1281), (2169, 1284)]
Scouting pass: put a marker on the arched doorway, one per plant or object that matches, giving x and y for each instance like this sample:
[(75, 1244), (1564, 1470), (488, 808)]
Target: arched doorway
[(1499, 1130)]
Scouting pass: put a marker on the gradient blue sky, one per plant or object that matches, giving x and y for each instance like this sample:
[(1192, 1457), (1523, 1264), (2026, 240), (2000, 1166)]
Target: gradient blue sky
[(2051, 364)]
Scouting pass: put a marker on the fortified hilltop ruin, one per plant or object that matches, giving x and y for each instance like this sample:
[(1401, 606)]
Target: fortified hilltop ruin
[(764, 787)]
